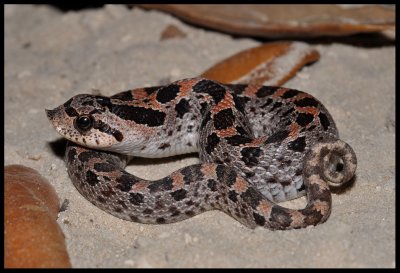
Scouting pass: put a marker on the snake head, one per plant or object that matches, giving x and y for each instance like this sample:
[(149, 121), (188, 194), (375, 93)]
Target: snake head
[(84, 119)]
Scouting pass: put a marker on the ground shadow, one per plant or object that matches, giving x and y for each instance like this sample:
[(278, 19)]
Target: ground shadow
[(58, 147), (345, 187), (142, 161)]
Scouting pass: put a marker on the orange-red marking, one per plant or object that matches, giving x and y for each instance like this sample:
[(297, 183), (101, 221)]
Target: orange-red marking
[(139, 186), (209, 170), (240, 185), (251, 90), (294, 130), (264, 207), (177, 180), (231, 131)]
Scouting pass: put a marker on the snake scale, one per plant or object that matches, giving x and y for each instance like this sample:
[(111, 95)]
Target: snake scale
[(259, 145)]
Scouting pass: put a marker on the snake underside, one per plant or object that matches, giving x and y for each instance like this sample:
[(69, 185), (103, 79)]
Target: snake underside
[(259, 145)]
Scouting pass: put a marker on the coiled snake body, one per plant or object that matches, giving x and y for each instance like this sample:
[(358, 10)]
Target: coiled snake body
[(259, 145)]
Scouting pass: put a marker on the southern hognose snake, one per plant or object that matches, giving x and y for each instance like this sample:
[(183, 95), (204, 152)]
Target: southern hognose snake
[(259, 145)]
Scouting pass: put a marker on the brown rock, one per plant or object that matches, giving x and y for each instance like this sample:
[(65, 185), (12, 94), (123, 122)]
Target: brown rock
[(32, 237), (268, 64), (277, 21), (172, 31)]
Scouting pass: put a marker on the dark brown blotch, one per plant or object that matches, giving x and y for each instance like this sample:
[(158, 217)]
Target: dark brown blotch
[(212, 184), (237, 88), (182, 108), (104, 167), (91, 178), (212, 142), (233, 195), (136, 198), (281, 217), (165, 183), (252, 196), (259, 219), (179, 194), (86, 156), (224, 119), (124, 96), (226, 175), (125, 182), (290, 93), (313, 215), (237, 140), (324, 121), (147, 211), (277, 137), (266, 91), (71, 112), (140, 115), (188, 175), (215, 90), (167, 93), (304, 118), (152, 89), (310, 102), (250, 155), (240, 103), (298, 145)]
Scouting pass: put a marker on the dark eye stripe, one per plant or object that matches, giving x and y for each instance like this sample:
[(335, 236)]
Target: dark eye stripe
[(103, 127)]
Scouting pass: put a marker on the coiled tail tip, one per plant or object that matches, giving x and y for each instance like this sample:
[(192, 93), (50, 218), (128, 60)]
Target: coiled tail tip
[(336, 160)]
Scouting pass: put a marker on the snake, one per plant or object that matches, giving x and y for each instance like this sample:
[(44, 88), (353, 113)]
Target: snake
[(258, 146)]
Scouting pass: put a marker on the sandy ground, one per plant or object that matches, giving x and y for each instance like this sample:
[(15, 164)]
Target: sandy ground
[(51, 56)]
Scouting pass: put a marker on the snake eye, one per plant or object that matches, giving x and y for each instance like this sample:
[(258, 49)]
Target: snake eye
[(84, 123)]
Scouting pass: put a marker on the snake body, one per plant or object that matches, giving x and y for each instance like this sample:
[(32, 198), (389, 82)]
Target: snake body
[(259, 145)]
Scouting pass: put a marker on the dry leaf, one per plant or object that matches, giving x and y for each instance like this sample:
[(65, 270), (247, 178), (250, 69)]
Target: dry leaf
[(32, 237), (268, 64), (277, 21)]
